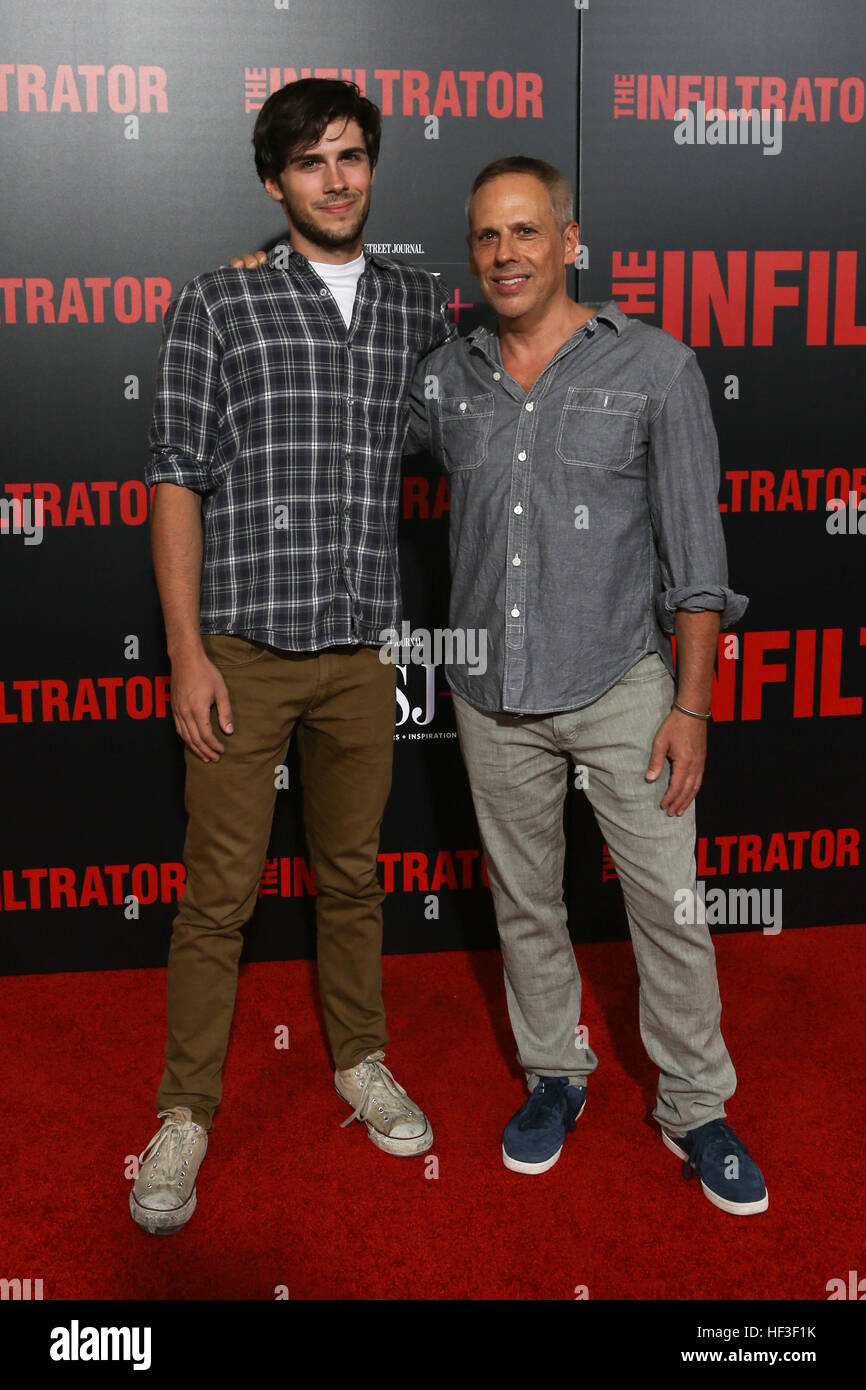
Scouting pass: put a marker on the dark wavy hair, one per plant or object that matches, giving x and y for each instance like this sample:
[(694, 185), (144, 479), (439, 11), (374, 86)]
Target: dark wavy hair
[(296, 117)]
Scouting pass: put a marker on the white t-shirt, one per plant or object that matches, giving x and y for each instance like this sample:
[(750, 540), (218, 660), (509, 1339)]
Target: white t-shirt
[(342, 281)]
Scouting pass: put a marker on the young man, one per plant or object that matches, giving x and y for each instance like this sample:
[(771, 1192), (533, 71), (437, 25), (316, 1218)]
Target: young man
[(276, 442), (584, 529)]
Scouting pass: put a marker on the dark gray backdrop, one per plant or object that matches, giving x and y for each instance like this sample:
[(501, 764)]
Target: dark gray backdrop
[(93, 802)]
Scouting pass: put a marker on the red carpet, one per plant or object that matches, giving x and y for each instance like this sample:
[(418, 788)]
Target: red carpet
[(287, 1197)]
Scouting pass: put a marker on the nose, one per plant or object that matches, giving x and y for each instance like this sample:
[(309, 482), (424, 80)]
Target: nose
[(335, 179), (505, 249)]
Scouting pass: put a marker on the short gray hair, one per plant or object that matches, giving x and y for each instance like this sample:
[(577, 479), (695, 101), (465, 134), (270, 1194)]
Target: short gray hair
[(557, 185)]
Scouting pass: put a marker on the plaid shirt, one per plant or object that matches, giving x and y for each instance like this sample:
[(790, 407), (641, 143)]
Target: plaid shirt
[(291, 427)]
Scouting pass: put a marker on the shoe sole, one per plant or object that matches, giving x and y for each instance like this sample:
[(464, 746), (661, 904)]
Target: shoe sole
[(516, 1165), (735, 1208), (162, 1223)]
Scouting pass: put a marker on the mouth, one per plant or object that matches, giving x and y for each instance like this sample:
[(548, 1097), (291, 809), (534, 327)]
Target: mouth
[(509, 284), (336, 208)]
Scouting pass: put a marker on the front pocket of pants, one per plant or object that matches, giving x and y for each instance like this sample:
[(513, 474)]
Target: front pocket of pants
[(227, 649), (465, 423), (648, 668), (598, 428)]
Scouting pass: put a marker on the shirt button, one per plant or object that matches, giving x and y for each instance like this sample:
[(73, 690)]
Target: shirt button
[(516, 560), (496, 376), (515, 612), (530, 405), (323, 291), (462, 405), (518, 510), (522, 456)]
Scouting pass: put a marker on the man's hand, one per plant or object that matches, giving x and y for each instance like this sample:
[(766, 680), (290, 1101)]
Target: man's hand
[(684, 740), (248, 261), (681, 737), (196, 685)]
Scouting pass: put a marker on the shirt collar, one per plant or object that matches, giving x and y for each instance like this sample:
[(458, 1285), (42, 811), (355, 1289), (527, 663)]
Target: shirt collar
[(610, 313), (299, 259)]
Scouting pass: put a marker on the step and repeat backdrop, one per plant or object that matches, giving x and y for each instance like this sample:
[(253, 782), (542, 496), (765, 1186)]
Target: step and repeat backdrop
[(128, 169), (721, 157)]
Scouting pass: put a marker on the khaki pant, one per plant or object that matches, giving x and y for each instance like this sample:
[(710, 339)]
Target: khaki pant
[(518, 768), (342, 702)]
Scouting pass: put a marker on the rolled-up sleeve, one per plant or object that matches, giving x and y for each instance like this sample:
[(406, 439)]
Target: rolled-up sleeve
[(182, 436), (682, 490)]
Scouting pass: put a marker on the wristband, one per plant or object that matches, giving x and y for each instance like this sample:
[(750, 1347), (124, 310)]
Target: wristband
[(682, 709)]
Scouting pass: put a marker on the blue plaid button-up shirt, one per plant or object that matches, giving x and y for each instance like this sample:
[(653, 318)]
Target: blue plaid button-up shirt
[(291, 427)]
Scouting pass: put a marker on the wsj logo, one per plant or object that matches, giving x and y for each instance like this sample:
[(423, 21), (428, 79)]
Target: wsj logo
[(419, 683)]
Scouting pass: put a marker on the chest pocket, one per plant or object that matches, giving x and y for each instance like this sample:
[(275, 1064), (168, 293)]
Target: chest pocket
[(465, 423), (598, 428)]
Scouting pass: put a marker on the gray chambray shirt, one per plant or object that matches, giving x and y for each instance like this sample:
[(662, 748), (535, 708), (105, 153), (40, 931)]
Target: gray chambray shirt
[(584, 512)]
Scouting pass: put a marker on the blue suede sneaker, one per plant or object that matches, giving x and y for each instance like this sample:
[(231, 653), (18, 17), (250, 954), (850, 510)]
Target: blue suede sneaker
[(731, 1179), (533, 1138)]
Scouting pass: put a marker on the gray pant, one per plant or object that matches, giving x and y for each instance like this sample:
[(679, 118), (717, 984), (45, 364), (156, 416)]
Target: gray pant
[(518, 766)]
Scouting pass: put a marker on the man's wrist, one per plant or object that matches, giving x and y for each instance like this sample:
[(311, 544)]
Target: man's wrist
[(695, 713), (190, 644)]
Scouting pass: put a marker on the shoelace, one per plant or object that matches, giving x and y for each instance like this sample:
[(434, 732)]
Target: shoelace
[(547, 1096), (166, 1145), (379, 1077), (710, 1137)]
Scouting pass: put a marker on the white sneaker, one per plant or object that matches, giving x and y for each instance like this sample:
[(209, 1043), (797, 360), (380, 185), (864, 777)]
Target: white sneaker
[(394, 1122), (163, 1197)]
